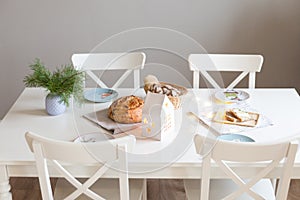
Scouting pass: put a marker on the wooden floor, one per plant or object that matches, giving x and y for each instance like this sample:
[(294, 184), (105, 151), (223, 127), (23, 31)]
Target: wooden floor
[(28, 189)]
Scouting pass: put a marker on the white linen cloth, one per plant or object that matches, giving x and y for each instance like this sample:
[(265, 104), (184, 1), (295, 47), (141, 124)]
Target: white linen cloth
[(101, 118)]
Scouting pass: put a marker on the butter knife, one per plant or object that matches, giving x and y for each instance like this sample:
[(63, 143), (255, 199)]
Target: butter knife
[(203, 123)]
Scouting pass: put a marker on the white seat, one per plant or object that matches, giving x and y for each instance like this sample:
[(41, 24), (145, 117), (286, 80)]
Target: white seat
[(130, 62), (52, 154), (204, 63), (237, 186)]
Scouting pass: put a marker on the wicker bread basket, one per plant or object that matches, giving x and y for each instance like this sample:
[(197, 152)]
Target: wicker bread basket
[(176, 101)]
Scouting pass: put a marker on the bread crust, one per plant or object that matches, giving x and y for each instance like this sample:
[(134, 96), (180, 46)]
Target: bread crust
[(240, 115), (237, 115), (230, 117), (127, 109)]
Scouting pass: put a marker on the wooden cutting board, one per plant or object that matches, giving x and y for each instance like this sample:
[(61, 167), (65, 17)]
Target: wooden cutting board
[(220, 118)]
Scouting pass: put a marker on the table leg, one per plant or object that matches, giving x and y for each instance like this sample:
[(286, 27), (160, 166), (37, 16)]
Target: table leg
[(4, 184)]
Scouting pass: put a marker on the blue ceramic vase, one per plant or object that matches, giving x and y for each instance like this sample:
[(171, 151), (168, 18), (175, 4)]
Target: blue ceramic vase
[(53, 104)]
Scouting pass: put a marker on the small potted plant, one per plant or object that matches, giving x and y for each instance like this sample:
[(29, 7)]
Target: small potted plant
[(61, 84)]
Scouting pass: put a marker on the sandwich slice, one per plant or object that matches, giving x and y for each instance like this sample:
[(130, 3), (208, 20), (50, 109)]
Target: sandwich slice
[(230, 117), (240, 115)]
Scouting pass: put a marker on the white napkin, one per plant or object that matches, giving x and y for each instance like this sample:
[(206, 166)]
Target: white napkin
[(100, 117)]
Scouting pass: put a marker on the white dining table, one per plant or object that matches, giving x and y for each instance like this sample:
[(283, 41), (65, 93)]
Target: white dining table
[(173, 157)]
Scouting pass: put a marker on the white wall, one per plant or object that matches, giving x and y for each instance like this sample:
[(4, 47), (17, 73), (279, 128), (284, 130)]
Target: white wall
[(53, 30)]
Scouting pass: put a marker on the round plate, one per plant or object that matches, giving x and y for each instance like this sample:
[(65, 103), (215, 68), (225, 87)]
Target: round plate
[(235, 138), (100, 95), (232, 95), (93, 137)]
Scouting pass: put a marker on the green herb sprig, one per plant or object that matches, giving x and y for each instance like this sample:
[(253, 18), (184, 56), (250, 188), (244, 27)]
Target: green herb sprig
[(64, 82)]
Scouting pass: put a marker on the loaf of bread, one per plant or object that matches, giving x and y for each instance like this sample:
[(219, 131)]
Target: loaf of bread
[(127, 109)]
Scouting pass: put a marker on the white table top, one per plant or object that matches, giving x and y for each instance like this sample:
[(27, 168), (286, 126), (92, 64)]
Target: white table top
[(28, 113)]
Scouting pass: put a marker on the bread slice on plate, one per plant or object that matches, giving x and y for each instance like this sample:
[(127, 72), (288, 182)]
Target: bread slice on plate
[(230, 117), (237, 116), (240, 115)]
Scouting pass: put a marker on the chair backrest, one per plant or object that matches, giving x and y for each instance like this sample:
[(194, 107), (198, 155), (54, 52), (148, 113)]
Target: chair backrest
[(224, 153), (61, 153), (204, 63), (130, 62)]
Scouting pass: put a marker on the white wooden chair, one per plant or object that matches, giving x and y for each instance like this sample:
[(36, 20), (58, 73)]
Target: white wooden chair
[(101, 155), (204, 63), (226, 153), (130, 62)]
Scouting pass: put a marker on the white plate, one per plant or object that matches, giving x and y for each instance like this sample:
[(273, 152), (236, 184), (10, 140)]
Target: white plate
[(93, 137), (232, 95), (235, 138), (100, 95)]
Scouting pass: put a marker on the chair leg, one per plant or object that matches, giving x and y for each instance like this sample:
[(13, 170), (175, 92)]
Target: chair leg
[(144, 195), (274, 184)]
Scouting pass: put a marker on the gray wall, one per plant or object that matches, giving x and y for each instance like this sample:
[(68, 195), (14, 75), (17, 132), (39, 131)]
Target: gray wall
[(54, 30)]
